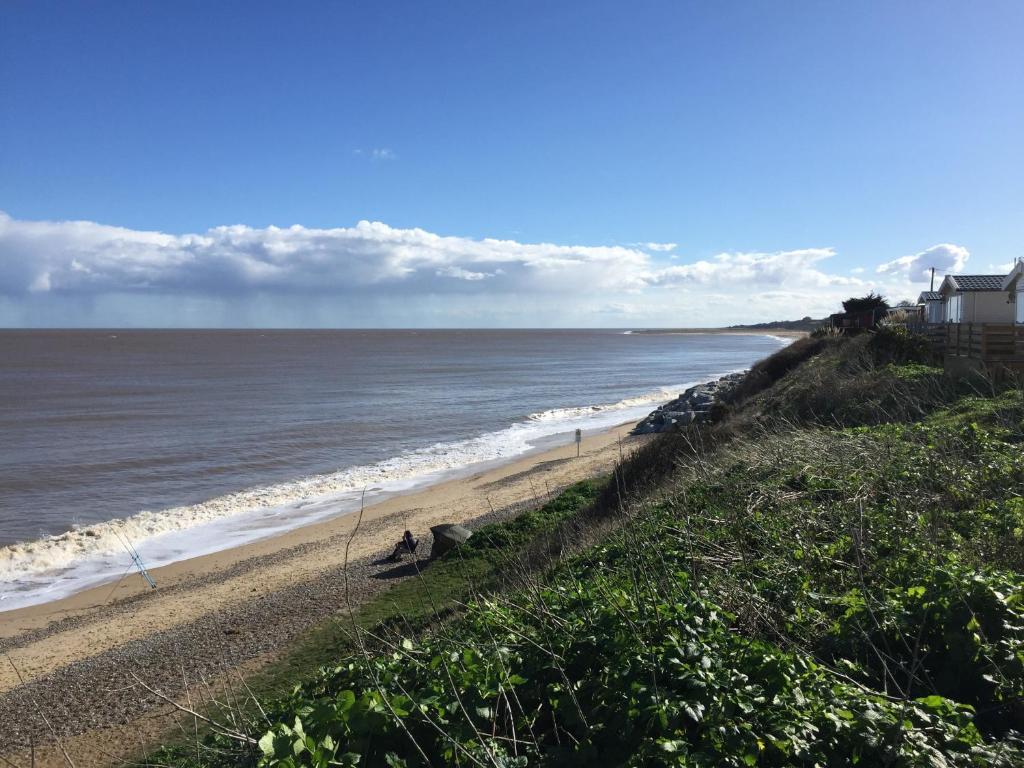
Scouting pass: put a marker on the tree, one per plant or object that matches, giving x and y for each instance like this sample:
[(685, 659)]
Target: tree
[(905, 303), (864, 303)]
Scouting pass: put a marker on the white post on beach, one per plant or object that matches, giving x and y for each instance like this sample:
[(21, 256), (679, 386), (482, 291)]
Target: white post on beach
[(579, 439)]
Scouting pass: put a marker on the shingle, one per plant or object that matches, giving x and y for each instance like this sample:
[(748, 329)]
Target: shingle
[(978, 282), (929, 296)]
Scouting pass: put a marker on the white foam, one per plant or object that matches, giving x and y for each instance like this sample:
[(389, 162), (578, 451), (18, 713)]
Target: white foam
[(55, 566), (664, 394)]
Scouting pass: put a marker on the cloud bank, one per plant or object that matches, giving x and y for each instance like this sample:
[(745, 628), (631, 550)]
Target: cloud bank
[(85, 257), (946, 258), (374, 274)]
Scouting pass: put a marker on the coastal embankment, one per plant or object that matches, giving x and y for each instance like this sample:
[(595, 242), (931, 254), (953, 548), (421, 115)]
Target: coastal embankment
[(826, 572)]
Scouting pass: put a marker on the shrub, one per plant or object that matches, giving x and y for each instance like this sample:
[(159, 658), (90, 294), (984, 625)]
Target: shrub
[(604, 670), (955, 631), (895, 344), (767, 372), (865, 303)]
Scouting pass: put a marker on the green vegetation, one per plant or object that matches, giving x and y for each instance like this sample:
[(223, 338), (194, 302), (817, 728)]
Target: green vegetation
[(864, 303), (497, 555), (832, 574)]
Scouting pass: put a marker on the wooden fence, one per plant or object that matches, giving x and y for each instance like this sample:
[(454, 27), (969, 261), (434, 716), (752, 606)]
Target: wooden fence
[(987, 342), (934, 332)]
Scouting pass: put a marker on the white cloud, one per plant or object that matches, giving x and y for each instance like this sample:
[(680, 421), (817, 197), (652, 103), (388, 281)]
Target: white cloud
[(945, 257), (1000, 269), (377, 153), (83, 257), (54, 272), (464, 274), (764, 270), (660, 247)]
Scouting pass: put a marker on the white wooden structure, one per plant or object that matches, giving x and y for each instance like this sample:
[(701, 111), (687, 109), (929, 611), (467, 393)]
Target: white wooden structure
[(933, 310), (1013, 284), (975, 299), (984, 322)]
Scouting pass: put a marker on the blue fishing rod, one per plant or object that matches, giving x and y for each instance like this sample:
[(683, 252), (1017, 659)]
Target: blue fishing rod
[(137, 559)]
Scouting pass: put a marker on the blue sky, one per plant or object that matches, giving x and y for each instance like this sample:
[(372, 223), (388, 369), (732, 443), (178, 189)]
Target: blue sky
[(750, 134)]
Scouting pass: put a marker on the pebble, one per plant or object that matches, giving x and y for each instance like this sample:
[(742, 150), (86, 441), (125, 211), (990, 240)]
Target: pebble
[(101, 691)]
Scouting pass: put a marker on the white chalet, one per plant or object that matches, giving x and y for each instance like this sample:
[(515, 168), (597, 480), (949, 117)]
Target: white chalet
[(932, 308), (975, 299)]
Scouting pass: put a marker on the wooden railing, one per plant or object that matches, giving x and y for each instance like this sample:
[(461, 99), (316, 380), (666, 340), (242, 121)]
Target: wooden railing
[(995, 342), (934, 332)]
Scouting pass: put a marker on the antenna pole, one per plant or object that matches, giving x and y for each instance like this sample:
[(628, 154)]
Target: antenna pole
[(932, 286)]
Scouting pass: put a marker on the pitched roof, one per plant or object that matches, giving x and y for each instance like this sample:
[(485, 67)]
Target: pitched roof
[(976, 282), (1014, 277), (929, 296)]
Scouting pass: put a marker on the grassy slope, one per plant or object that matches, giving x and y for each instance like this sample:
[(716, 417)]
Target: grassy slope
[(832, 575), (495, 557), (441, 589)]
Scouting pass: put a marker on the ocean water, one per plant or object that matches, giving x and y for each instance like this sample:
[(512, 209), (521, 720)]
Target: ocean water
[(180, 443)]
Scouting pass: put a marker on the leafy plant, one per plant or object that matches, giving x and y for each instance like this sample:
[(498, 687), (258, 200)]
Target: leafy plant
[(864, 303)]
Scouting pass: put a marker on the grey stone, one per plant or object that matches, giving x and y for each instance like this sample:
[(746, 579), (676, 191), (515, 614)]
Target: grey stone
[(691, 406), (448, 536)]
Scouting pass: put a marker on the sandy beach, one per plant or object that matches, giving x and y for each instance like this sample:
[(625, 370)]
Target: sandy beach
[(71, 660)]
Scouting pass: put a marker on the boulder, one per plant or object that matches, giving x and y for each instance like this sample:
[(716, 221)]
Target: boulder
[(448, 536), (692, 406)]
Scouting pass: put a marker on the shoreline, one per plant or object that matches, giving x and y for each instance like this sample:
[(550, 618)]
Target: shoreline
[(452, 500), (92, 556), (230, 613), (22, 620), (48, 568), (234, 611), (346, 505)]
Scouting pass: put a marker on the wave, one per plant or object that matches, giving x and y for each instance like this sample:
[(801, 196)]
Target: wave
[(663, 394), (51, 567)]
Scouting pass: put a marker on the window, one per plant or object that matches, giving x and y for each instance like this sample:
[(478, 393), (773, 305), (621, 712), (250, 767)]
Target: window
[(954, 308), (1020, 305)]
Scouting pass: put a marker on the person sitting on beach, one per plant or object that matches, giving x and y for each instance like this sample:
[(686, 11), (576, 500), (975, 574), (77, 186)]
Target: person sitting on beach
[(407, 545)]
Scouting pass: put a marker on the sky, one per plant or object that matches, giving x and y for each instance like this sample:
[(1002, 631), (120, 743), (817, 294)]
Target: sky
[(515, 164)]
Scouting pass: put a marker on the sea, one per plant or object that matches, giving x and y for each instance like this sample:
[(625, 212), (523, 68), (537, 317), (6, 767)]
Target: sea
[(172, 444)]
